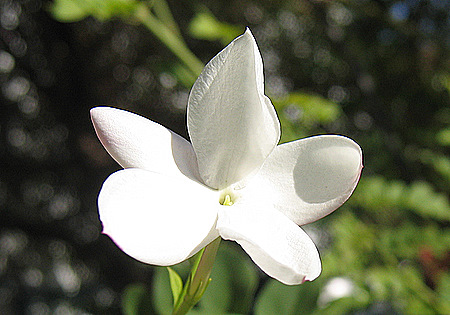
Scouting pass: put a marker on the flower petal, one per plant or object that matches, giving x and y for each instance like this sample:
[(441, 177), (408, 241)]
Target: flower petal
[(275, 243), (232, 125), (157, 219), (308, 179), (134, 141)]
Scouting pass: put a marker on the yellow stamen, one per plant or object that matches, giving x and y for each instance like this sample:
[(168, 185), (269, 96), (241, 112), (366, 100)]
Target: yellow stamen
[(227, 201)]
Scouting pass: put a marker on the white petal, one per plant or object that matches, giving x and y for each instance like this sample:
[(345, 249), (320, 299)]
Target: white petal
[(233, 126), (309, 178), (134, 141), (275, 243), (157, 219)]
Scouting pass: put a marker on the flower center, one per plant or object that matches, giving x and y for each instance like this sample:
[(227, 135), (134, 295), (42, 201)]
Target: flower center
[(227, 198), (227, 201)]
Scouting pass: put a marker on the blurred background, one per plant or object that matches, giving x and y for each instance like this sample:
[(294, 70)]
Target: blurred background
[(375, 71)]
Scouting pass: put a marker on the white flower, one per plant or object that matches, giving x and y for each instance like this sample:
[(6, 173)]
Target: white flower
[(336, 288), (166, 203)]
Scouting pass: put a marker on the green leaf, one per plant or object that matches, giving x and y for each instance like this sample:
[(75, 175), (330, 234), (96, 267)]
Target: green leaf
[(299, 112), (445, 80), (346, 305), (278, 298), (233, 285), (245, 285), (443, 137), (425, 201), (217, 297), (176, 284), (313, 108), (136, 299), (162, 295), (67, 11), (205, 26), (376, 193), (443, 290), (75, 10)]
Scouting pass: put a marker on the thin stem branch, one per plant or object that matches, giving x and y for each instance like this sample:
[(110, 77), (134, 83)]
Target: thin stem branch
[(169, 38), (199, 279), (162, 11)]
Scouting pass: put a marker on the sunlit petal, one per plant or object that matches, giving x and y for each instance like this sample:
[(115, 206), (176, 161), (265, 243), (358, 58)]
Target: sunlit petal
[(309, 178), (134, 141), (232, 125), (275, 243), (155, 218)]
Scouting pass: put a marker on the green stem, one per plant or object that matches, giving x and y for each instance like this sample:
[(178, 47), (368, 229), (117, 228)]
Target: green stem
[(198, 280), (162, 11), (169, 38)]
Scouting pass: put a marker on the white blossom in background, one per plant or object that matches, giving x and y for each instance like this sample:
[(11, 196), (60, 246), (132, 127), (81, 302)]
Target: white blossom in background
[(167, 202), (336, 288)]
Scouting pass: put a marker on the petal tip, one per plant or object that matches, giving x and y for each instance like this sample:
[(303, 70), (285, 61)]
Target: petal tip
[(248, 35), (94, 112), (98, 112)]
